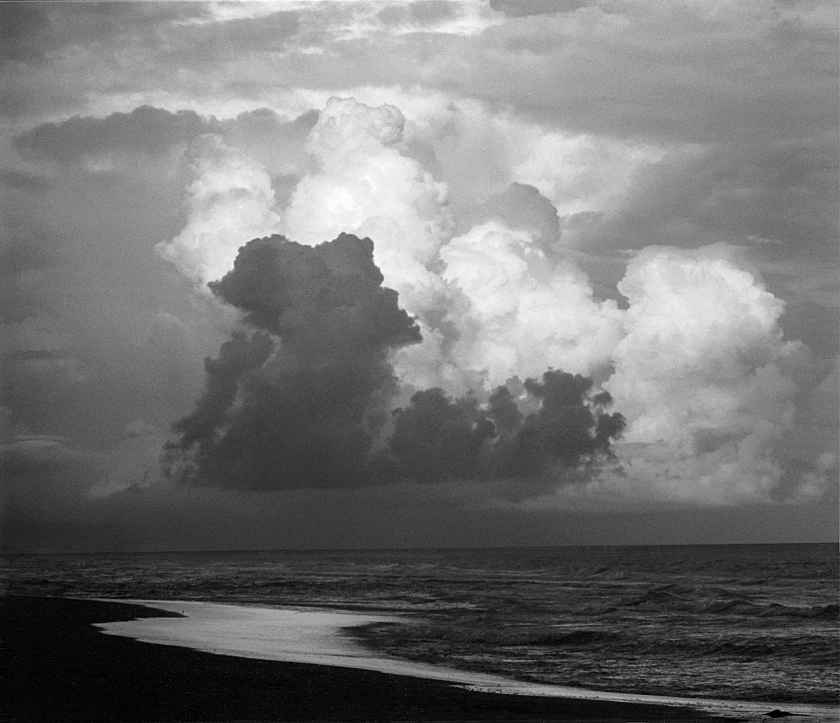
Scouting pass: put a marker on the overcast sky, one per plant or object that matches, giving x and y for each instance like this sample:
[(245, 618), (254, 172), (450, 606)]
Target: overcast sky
[(600, 304)]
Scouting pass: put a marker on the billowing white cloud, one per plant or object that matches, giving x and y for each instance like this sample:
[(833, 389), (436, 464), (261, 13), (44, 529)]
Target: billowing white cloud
[(704, 376), (581, 173), (523, 312), (697, 361), (230, 201), (365, 185)]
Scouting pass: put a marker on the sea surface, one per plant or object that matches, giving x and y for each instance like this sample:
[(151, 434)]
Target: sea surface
[(746, 622)]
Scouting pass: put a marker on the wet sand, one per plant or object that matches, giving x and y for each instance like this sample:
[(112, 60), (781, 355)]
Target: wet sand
[(57, 666)]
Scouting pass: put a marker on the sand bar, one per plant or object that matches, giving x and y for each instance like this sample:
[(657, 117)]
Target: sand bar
[(318, 636)]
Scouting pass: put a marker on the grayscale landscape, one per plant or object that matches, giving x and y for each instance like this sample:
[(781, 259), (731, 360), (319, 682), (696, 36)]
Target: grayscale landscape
[(419, 360)]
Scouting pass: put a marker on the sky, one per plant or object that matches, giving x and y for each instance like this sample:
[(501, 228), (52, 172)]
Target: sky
[(312, 274)]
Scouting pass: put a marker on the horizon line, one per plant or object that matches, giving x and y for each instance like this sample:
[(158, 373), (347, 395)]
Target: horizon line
[(472, 548)]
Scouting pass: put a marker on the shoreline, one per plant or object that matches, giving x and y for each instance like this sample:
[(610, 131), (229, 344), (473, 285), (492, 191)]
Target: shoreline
[(57, 666), (63, 665), (318, 635)]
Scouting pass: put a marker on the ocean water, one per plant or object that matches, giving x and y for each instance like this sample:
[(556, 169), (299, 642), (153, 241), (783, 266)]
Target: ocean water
[(747, 622)]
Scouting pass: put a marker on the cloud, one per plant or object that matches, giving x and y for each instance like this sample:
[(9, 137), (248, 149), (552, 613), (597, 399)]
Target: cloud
[(303, 412), (704, 376), (776, 196), (503, 299), (521, 206), (22, 25), (529, 135), (312, 408), (230, 200), (278, 143), (419, 13), (436, 438), (144, 130), (520, 8), (365, 185), (44, 481), (96, 330), (524, 311)]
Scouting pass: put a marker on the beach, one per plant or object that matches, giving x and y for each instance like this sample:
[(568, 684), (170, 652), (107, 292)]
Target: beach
[(544, 633), (58, 666)]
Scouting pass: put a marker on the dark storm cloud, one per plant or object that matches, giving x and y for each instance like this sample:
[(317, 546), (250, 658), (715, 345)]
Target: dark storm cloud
[(325, 300), (309, 410), (308, 415), (237, 356), (143, 130), (437, 438)]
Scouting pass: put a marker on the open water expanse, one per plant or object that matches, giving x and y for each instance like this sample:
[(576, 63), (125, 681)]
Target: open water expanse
[(749, 622)]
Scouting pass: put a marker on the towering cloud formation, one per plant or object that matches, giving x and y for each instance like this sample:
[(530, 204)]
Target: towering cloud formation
[(364, 184), (303, 401), (230, 200), (335, 384), (704, 374)]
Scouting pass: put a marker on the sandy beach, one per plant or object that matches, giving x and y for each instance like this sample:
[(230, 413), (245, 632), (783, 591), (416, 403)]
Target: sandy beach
[(168, 660), (58, 666)]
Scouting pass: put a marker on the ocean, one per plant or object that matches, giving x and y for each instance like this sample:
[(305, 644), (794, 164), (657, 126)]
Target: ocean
[(743, 622)]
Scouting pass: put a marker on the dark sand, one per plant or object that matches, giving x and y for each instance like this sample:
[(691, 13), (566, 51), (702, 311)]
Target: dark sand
[(56, 666)]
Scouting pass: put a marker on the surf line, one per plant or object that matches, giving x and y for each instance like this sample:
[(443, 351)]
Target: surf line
[(317, 636)]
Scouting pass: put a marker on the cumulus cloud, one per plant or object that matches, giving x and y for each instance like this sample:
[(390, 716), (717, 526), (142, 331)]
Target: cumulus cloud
[(230, 200), (304, 400), (364, 182), (365, 185), (437, 438), (696, 361), (524, 311), (704, 375), (302, 412)]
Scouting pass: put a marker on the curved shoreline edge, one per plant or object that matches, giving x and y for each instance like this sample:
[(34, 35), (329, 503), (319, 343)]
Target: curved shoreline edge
[(315, 636)]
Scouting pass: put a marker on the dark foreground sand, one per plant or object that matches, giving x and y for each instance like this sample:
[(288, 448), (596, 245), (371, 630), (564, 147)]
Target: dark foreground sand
[(55, 666)]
